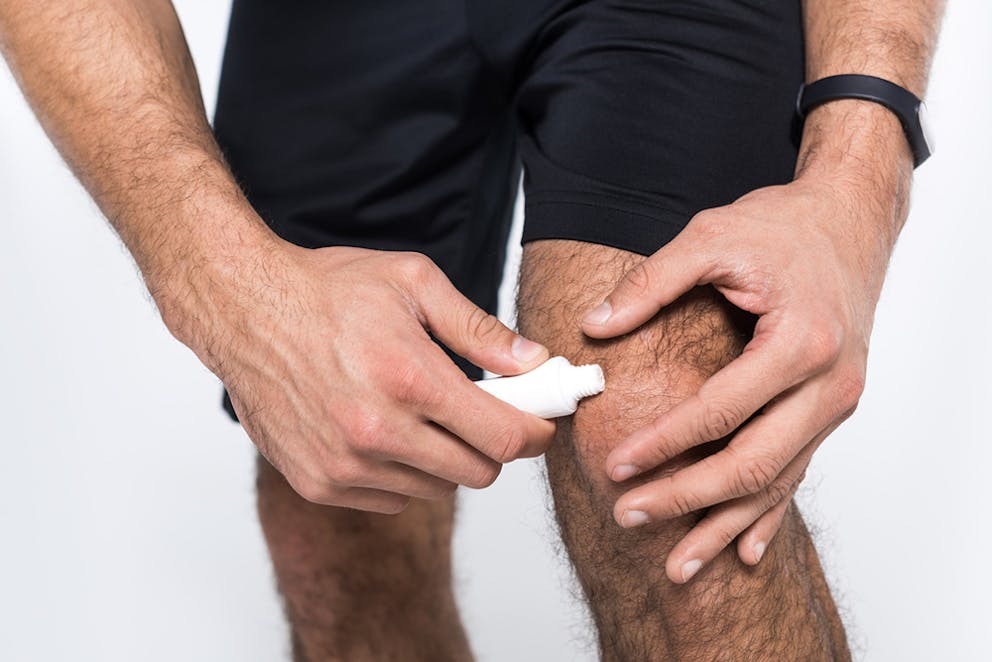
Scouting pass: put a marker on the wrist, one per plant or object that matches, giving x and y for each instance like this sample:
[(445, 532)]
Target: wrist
[(211, 301), (855, 136), (859, 148), (195, 256)]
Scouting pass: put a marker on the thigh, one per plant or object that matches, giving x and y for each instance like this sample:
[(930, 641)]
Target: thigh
[(635, 114)]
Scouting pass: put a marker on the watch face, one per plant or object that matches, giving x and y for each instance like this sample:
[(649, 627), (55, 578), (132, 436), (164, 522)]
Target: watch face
[(925, 125)]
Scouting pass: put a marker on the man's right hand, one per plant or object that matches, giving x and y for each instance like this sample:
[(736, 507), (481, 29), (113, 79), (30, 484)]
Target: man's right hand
[(325, 352), (328, 361)]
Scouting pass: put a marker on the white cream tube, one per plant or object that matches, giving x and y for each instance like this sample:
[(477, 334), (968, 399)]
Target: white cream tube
[(550, 390)]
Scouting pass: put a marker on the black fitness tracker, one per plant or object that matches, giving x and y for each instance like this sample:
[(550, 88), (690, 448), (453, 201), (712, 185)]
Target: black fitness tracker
[(907, 107)]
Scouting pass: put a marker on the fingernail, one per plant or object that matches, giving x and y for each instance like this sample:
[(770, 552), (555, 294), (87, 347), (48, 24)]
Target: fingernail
[(524, 350), (632, 518), (599, 314), (624, 471), (759, 549), (689, 568)]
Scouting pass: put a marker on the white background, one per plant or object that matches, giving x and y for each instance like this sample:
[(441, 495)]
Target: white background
[(127, 526)]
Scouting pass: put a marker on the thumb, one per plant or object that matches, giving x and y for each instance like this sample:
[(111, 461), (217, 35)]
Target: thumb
[(656, 282), (473, 333)]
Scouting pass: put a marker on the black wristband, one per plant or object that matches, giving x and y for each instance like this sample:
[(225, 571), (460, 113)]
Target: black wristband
[(906, 106)]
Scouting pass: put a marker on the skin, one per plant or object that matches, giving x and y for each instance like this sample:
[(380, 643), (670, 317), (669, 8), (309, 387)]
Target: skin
[(114, 87), (344, 573), (343, 414), (808, 259), (730, 611)]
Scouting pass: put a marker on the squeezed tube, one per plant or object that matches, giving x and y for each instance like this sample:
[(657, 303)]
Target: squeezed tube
[(550, 390)]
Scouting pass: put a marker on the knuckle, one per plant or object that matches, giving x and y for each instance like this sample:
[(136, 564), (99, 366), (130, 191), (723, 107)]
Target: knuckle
[(847, 413), (315, 491), (484, 476), (407, 383), (725, 536), (779, 490), (683, 504), (755, 474), (482, 325), (641, 278), (709, 223), (655, 454), (721, 418), (344, 472), (664, 446), (510, 442), (823, 344), (416, 267), (850, 387), (366, 431)]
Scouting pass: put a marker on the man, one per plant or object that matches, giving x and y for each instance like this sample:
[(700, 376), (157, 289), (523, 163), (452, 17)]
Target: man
[(353, 206)]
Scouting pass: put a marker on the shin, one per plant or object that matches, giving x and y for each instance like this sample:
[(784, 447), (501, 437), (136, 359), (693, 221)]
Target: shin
[(362, 586)]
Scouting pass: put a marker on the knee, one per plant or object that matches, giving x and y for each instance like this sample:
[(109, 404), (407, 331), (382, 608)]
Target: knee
[(647, 371)]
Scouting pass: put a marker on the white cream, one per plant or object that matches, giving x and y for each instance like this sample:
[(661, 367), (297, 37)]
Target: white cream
[(550, 390)]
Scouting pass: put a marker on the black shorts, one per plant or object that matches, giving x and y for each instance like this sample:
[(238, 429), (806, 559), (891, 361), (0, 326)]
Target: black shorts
[(402, 124)]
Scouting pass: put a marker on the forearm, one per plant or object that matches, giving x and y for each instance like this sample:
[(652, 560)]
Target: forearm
[(861, 143), (114, 86)]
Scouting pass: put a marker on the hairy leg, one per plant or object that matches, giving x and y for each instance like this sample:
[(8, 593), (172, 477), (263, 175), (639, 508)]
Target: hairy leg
[(780, 609), (360, 586)]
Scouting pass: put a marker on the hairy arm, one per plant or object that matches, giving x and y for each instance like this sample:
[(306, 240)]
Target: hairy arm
[(862, 141), (350, 417), (808, 259), (114, 86)]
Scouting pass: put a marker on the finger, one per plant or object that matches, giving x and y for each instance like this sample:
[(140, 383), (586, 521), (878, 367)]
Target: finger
[(769, 365), (708, 538), (723, 523), (465, 328), (404, 479), (428, 384), (435, 451), (656, 282), (496, 429), (358, 498), (747, 465), (376, 501), (751, 544), (755, 540)]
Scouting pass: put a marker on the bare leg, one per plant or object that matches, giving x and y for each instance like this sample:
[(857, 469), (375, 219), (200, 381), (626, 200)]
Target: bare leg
[(779, 610), (361, 586)]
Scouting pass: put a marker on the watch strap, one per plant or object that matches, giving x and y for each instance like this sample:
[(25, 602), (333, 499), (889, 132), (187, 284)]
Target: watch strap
[(903, 103)]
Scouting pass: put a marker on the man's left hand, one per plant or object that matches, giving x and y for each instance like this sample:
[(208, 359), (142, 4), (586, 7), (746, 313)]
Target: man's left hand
[(808, 258)]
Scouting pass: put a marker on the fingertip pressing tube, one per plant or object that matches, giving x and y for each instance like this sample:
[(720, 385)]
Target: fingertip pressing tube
[(550, 390)]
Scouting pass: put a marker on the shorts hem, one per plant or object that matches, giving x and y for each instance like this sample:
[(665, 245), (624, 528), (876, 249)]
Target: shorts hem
[(640, 231)]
